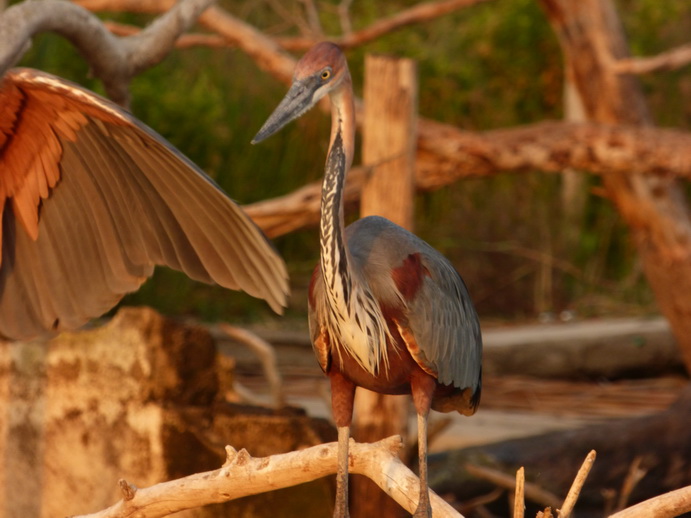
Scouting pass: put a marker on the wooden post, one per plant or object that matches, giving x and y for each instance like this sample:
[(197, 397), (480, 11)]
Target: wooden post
[(389, 137), (388, 145)]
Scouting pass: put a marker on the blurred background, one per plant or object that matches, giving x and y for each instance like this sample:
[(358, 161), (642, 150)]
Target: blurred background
[(530, 246)]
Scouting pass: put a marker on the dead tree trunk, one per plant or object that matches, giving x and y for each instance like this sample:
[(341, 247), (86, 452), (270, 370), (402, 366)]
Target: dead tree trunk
[(389, 138), (653, 206)]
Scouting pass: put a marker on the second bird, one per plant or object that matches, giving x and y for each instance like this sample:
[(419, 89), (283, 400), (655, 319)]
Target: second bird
[(387, 312)]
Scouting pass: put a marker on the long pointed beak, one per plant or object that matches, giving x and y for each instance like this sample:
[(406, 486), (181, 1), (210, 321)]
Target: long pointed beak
[(297, 101)]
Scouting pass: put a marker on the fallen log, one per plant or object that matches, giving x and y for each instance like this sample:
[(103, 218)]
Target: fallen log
[(654, 449)]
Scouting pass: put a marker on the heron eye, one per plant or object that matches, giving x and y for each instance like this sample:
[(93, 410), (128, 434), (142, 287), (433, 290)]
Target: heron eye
[(326, 74)]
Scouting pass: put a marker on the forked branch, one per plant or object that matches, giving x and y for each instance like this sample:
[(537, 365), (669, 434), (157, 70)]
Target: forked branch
[(243, 475), (115, 61)]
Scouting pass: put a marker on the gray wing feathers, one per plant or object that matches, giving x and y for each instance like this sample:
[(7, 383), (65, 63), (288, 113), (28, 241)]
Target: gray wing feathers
[(441, 314), (445, 324), (126, 201)]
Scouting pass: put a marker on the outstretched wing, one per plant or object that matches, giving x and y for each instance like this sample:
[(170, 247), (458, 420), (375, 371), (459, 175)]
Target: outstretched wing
[(91, 200)]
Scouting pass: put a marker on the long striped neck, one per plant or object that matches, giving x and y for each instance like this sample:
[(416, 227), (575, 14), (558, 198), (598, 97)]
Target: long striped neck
[(334, 254), (354, 317)]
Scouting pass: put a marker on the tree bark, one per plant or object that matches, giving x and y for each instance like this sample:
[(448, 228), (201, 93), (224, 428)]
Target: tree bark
[(592, 40)]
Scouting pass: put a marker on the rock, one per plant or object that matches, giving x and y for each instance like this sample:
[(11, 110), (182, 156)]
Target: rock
[(136, 399)]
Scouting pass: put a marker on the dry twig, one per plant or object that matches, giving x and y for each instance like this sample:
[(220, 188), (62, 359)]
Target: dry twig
[(420, 13), (532, 491), (266, 354), (633, 477), (577, 485), (519, 495), (185, 41)]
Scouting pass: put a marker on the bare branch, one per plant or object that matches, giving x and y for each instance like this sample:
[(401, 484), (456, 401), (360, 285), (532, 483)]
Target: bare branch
[(289, 18), (268, 52), (152, 44), (20, 22), (313, 18), (185, 41), (419, 13), (669, 60), (519, 495), (265, 52), (113, 60), (266, 354), (550, 147), (243, 475), (669, 505), (446, 154), (633, 477), (576, 487), (344, 16)]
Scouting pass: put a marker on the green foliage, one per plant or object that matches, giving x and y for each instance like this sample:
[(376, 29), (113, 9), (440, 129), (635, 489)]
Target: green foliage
[(491, 66)]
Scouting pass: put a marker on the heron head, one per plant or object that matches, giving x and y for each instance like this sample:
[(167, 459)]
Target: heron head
[(320, 71)]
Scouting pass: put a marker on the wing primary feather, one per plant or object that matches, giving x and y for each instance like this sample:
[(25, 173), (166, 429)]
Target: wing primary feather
[(201, 208), (115, 199)]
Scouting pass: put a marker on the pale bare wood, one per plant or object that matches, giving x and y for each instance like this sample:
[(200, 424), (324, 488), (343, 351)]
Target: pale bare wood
[(575, 491), (243, 475), (519, 494), (669, 505)]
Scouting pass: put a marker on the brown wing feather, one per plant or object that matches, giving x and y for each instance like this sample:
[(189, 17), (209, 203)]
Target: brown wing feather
[(31, 152), (91, 200)]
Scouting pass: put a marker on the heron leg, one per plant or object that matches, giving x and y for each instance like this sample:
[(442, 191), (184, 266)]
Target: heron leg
[(422, 388), (424, 508), (341, 508), (342, 397)]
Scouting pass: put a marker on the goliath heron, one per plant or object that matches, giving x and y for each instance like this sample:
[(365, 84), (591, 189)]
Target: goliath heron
[(387, 312), (91, 200)]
